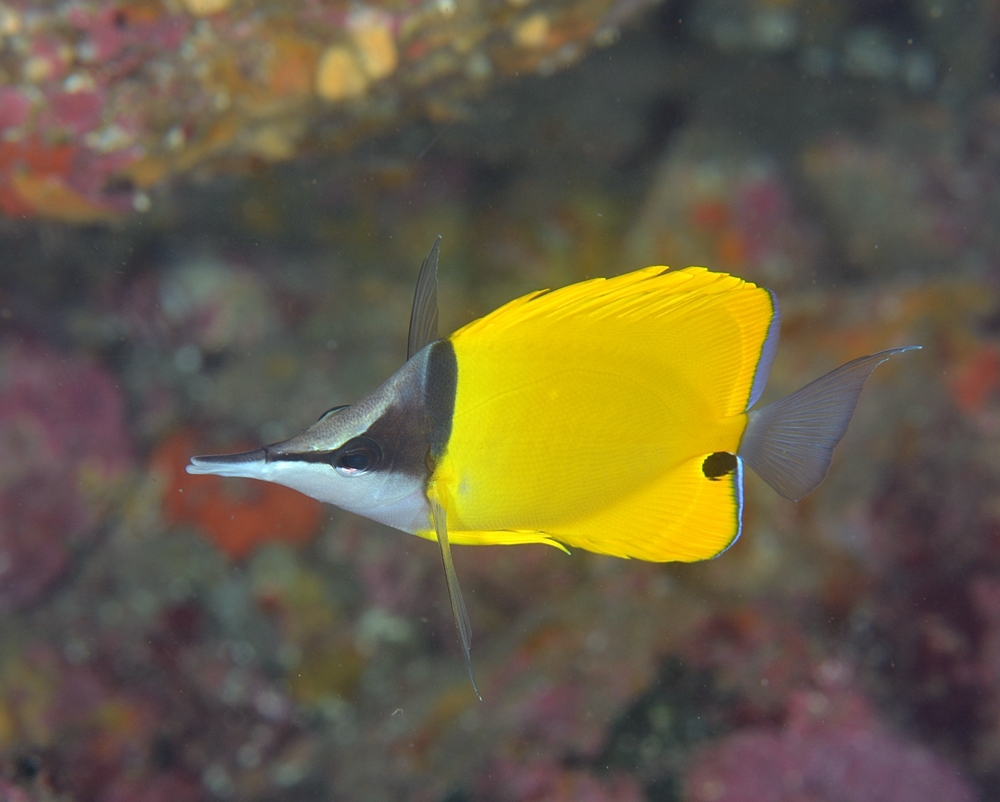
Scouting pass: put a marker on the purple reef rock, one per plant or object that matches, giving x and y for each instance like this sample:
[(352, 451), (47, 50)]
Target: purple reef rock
[(832, 748), (63, 445)]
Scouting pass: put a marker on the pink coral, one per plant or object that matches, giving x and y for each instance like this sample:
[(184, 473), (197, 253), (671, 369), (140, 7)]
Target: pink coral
[(544, 781), (15, 108), (33, 551), (73, 407), (832, 749), (9, 792), (62, 428), (50, 58), (75, 112), (557, 715), (122, 32), (168, 787)]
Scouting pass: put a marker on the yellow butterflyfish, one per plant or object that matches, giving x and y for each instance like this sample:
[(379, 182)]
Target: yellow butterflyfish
[(613, 415)]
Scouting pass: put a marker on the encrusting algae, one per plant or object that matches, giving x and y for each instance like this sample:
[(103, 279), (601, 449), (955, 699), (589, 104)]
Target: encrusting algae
[(339, 75)]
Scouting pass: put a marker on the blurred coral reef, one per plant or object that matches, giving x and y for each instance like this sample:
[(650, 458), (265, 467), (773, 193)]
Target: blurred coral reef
[(237, 521), (100, 102), (214, 213), (65, 448)]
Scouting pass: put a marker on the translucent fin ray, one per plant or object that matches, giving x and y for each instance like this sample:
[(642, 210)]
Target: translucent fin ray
[(424, 314), (454, 591), (790, 443)]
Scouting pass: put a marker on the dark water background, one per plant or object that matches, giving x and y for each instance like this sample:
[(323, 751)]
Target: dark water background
[(172, 638)]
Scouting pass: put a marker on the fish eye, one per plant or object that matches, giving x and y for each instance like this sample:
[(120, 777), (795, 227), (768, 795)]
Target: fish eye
[(358, 456)]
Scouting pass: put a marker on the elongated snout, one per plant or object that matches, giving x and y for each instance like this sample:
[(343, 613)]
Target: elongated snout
[(246, 464)]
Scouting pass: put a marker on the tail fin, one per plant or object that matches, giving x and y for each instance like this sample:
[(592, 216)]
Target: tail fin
[(790, 443)]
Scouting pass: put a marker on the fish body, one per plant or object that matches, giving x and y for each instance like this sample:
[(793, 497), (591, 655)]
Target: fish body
[(614, 415), (584, 416)]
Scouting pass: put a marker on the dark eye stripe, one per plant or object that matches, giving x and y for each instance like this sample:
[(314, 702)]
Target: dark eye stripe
[(358, 455)]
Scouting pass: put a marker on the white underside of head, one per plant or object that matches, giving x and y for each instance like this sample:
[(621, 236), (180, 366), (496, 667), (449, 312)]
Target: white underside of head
[(393, 499)]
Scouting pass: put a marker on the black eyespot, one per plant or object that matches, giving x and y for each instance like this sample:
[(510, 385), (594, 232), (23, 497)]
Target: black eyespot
[(357, 456), (719, 464)]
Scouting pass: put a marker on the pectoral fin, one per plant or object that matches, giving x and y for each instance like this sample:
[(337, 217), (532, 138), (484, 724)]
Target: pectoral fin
[(454, 591)]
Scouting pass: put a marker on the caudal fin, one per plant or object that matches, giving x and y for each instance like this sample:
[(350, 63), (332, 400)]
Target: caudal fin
[(790, 443)]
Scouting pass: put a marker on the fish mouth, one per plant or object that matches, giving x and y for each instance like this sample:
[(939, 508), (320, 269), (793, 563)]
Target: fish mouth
[(244, 463)]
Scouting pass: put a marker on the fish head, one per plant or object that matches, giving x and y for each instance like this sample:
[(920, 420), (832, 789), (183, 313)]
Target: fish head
[(371, 458)]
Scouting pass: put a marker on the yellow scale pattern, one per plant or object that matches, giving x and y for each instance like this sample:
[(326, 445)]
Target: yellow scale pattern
[(583, 416)]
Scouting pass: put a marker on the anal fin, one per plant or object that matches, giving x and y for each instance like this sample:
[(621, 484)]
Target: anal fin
[(682, 516)]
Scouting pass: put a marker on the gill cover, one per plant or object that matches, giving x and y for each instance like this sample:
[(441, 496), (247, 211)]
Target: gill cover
[(423, 331)]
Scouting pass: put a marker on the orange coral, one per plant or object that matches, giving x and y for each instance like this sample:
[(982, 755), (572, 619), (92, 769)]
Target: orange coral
[(977, 378), (33, 181), (236, 515)]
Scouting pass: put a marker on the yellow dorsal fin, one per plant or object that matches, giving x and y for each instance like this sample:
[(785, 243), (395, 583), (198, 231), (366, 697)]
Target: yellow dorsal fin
[(711, 327)]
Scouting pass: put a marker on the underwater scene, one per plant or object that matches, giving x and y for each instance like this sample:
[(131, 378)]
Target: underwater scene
[(213, 216)]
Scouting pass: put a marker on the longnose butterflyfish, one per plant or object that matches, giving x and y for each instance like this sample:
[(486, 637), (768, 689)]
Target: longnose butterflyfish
[(613, 415)]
